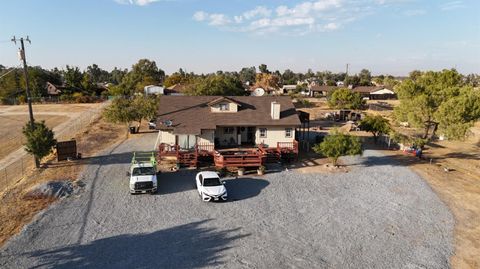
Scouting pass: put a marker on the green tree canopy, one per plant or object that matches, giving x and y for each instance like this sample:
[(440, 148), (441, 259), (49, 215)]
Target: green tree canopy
[(337, 144), (345, 99), (216, 85), (40, 140), (440, 98), (376, 125)]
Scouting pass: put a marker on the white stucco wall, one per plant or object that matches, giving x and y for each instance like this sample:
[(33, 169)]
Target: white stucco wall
[(232, 107), (274, 135), (167, 137)]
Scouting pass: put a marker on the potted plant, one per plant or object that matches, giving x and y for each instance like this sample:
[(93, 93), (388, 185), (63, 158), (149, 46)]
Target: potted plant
[(261, 170), (241, 171)]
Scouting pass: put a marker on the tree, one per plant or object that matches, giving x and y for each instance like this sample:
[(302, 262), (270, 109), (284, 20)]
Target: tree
[(121, 111), (376, 125), (117, 75), (263, 69), (365, 78), (267, 81), (247, 74), (289, 77), (97, 75), (216, 85), (144, 72), (337, 144), (353, 81), (458, 114), (145, 107), (40, 140), (345, 99), (429, 100)]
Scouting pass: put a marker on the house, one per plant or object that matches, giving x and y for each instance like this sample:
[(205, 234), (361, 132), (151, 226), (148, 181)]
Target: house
[(177, 89), (321, 90), (288, 88), (375, 92), (54, 90), (153, 89), (210, 125)]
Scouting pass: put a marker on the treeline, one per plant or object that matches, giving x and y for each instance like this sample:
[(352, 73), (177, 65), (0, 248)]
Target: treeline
[(95, 81)]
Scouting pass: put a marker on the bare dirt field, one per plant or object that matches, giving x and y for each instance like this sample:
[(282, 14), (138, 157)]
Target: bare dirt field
[(13, 118), (459, 188), (11, 137), (18, 209)]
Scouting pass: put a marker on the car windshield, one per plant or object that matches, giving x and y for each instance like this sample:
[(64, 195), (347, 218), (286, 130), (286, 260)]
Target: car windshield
[(143, 171), (210, 182)]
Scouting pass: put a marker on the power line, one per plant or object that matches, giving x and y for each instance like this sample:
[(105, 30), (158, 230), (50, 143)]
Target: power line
[(25, 71)]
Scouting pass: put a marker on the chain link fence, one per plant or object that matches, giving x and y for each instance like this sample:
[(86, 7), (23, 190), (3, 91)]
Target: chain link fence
[(18, 168)]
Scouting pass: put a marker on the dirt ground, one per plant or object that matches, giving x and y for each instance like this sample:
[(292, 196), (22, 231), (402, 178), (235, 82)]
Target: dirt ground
[(11, 138), (15, 117), (49, 108), (459, 188), (17, 210)]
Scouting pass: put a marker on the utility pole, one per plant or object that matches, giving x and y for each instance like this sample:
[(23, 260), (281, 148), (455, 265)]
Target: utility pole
[(346, 77), (27, 88)]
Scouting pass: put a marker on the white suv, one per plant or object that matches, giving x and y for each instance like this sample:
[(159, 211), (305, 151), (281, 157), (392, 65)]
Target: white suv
[(210, 187)]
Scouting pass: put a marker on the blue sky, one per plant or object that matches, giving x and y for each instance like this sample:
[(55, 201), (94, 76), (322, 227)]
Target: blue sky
[(385, 36)]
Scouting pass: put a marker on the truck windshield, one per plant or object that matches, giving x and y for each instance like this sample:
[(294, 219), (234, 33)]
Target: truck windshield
[(210, 182), (143, 171)]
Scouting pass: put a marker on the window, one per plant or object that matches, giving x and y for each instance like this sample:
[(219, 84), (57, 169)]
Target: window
[(223, 107), (288, 132), (263, 132), (228, 130)]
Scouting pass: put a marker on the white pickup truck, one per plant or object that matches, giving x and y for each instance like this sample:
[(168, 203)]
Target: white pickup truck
[(143, 173)]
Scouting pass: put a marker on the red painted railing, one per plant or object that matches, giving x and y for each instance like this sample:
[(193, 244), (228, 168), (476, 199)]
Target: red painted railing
[(252, 158)]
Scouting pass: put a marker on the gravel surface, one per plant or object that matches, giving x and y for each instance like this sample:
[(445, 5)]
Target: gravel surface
[(378, 215)]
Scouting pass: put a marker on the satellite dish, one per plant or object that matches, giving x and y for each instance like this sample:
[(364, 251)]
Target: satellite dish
[(258, 92), (168, 123)]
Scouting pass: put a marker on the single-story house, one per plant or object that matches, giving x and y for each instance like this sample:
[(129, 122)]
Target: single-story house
[(153, 89), (288, 88), (177, 89), (321, 90), (223, 121), (54, 90), (375, 92)]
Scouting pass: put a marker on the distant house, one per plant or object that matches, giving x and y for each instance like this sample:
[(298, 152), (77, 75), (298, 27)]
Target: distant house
[(288, 88), (340, 84), (153, 89), (321, 90), (375, 92), (255, 90), (177, 89), (54, 90)]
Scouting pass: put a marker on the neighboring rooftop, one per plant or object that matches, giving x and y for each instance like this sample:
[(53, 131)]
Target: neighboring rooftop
[(191, 114)]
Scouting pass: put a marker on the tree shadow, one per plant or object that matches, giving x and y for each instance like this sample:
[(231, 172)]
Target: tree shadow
[(244, 188), (173, 182), (190, 245)]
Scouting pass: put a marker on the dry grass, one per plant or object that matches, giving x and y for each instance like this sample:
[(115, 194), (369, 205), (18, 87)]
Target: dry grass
[(50, 108), (16, 210), (11, 138)]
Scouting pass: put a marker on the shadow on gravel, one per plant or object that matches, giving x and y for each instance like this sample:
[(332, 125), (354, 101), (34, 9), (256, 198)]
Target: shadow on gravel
[(244, 188), (184, 246), (173, 182)]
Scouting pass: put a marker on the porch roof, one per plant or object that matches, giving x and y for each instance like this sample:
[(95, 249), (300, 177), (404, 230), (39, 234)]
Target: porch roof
[(191, 114)]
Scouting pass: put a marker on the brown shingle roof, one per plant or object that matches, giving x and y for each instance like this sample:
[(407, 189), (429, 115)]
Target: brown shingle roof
[(191, 114)]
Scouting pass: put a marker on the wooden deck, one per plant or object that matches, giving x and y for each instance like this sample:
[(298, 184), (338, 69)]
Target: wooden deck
[(231, 157)]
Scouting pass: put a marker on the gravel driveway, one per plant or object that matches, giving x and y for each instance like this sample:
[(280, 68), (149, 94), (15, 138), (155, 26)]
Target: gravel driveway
[(379, 215)]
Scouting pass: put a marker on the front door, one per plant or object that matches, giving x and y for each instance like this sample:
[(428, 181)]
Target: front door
[(251, 135)]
